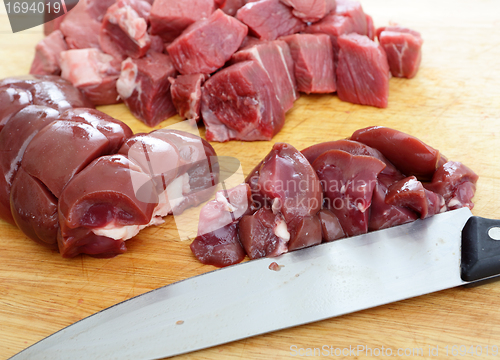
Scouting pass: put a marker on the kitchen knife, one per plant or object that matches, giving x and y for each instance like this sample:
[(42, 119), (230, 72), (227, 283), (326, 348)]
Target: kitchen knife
[(328, 280)]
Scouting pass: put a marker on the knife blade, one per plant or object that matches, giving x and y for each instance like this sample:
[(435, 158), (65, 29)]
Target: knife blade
[(313, 284)]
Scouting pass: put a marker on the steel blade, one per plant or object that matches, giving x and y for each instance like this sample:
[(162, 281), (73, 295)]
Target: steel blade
[(248, 299)]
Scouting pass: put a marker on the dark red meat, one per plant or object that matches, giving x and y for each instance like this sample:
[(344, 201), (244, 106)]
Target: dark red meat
[(186, 96), (275, 58), (310, 10), (14, 139), (348, 182), (269, 19), (403, 48), (406, 152), (362, 71), (169, 18), (314, 67), (11, 101), (239, 103), (330, 226), (206, 45), (144, 87)]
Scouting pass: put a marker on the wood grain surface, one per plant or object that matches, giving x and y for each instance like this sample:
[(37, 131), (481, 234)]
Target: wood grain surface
[(453, 104)]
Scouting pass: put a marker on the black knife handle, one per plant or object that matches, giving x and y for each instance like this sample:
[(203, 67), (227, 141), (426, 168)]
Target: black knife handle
[(480, 249)]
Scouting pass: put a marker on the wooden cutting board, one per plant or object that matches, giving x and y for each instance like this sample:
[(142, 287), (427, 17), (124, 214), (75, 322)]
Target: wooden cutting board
[(453, 104)]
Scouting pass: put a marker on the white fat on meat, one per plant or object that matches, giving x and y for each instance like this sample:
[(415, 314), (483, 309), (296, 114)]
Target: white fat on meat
[(221, 199), (131, 23), (84, 67), (172, 197), (281, 230), (126, 83)]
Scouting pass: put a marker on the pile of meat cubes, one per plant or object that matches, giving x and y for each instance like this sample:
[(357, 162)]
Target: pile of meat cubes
[(238, 65)]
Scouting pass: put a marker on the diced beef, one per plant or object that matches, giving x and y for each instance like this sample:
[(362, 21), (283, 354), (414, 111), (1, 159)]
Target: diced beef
[(93, 72), (314, 67), (275, 58), (157, 44), (370, 25), (169, 18), (232, 6), (403, 48), (269, 19), (409, 154), (46, 61), (124, 31), (97, 8), (186, 96), (310, 10), (206, 45), (347, 18), (14, 138), (348, 183), (144, 87), (80, 29), (239, 103), (362, 71)]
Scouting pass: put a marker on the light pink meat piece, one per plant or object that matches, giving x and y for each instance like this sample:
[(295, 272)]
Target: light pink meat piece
[(370, 27), (250, 41), (314, 67), (232, 6), (97, 8), (186, 96), (157, 44), (310, 10), (144, 87), (93, 72), (124, 31), (169, 18), (362, 71), (46, 61), (53, 25), (80, 29), (269, 19), (353, 10), (206, 45), (239, 103), (275, 58), (403, 48)]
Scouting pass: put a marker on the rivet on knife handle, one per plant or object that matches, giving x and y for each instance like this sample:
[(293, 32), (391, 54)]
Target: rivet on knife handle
[(480, 249)]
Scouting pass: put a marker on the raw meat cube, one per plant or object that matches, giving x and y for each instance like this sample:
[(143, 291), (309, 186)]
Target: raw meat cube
[(157, 44), (269, 19), (80, 29), (310, 10), (169, 18), (46, 61), (144, 87), (348, 18), (313, 62), (275, 58), (403, 48), (232, 6), (124, 31), (370, 27), (239, 103), (93, 72), (186, 96), (362, 71), (206, 45)]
